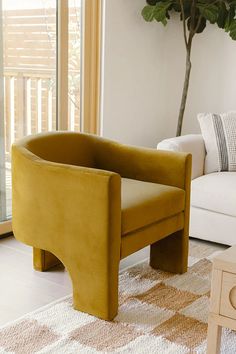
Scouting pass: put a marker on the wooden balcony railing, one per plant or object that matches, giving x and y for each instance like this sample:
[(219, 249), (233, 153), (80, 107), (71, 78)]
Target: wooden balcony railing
[(30, 104), (29, 50)]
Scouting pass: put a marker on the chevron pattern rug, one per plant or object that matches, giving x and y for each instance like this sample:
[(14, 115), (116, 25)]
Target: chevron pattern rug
[(159, 312)]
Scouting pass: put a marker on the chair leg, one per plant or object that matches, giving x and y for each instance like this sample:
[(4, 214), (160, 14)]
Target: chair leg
[(44, 260), (171, 253), (95, 292)]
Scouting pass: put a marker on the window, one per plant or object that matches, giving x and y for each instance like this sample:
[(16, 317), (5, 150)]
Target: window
[(49, 75)]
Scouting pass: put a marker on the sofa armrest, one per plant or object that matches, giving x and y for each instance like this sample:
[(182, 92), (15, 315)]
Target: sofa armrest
[(192, 143)]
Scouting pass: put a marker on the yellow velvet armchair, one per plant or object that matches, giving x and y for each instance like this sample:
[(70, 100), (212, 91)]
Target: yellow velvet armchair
[(88, 202)]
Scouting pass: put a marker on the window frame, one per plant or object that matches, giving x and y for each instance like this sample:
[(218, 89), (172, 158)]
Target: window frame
[(91, 66)]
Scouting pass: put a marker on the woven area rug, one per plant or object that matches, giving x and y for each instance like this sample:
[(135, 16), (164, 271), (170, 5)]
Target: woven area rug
[(159, 313)]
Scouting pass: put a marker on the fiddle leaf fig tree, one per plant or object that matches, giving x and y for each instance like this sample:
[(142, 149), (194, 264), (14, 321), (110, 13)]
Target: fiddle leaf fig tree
[(194, 14)]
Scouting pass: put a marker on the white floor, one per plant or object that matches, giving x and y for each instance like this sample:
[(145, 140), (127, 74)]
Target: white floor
[(23, 290)]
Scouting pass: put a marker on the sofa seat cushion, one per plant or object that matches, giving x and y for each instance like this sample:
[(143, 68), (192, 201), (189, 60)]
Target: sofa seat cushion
[(144, 203), (215, 192)]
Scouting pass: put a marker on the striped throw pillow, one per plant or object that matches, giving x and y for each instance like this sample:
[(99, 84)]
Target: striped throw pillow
[(219, 134)]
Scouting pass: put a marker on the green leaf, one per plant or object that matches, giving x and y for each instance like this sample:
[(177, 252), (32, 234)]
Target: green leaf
[(187, 8), (230, 17), (232, 3), (161, 11), (209, 11), (201, 27), (148, 13), (232, 30), (223, 13)]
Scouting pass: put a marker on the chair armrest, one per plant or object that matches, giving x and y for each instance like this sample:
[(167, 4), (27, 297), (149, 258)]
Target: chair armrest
[(164, 167), (76, 205), (192, 143)]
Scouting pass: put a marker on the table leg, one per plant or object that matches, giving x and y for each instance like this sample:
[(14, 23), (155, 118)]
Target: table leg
[(213, 337)]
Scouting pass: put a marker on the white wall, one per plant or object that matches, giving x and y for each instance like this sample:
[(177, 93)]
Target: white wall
[(143, 75)]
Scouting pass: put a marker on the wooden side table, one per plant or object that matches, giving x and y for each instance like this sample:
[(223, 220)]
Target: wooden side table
[(223, 298)]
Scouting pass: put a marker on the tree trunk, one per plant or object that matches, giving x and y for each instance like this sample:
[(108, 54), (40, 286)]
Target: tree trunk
[(184, 94)]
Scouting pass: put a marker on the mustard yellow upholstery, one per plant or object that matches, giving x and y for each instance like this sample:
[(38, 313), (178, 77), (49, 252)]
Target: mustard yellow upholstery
[(88, 202), (144, 203)]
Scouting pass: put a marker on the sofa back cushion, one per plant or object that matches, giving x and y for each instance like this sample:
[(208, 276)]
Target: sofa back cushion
[(219, 134)]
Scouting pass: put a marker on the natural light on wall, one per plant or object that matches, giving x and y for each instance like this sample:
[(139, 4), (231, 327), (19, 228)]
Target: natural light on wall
[(29, 76)]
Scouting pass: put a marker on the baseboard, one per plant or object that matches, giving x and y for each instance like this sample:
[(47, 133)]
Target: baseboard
[(8, 234), (5, 228)]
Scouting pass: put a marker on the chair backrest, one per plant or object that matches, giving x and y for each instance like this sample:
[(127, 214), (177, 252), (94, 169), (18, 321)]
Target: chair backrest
[(62, 147)]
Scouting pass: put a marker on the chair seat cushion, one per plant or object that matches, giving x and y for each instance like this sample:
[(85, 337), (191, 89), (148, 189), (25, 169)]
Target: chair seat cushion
[(215, 192), (144, 203)]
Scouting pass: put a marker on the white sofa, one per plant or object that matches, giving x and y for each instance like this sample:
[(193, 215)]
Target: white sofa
[(213, 196)]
